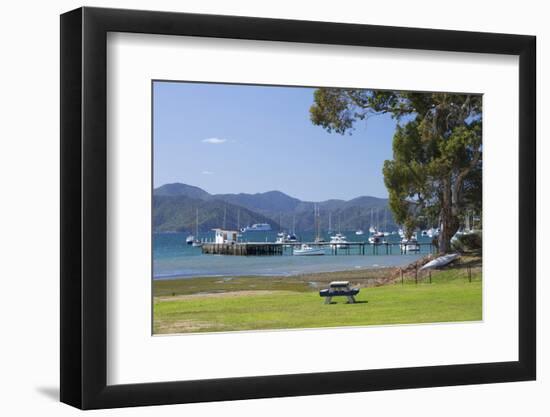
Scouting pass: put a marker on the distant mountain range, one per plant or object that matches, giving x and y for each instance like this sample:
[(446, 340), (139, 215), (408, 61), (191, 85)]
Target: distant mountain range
[(174, 209)]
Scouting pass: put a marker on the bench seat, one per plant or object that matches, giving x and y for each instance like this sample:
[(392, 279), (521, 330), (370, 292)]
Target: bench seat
[(350, 293), (336, 293)]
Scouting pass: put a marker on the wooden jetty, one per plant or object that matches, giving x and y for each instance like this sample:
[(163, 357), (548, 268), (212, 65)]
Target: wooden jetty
[(243, 249), (277, 249)]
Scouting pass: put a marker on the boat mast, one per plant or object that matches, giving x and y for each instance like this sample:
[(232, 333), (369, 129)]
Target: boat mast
[(197, 224), (238, 219), (319, 222), (224, 216), (371, 218), (316, 221), (329, 222)]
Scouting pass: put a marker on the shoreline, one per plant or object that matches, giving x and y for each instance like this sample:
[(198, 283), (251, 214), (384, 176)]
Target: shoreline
[(305, 282), (346, 270), (362, 278), (267, 276)]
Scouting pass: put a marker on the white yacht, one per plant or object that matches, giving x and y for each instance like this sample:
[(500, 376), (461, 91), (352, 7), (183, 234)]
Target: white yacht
[(282, 237), (286, 238), (410, 245), (306, 250), (359, 232), (189, 239), (291, 238), (339, 239), (376, 237)]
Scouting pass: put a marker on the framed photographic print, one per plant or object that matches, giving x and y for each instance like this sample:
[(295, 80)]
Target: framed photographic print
[(258, 208)]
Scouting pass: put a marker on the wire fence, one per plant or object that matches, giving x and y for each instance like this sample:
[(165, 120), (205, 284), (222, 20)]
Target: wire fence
[(415, 275)]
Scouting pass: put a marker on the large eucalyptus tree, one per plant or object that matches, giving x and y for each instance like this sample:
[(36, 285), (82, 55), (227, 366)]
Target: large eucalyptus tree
[(435, 173)]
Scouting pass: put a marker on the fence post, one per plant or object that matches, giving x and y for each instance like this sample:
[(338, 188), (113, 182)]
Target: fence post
[(416, 273), (469, 273), (400, 269), (430, 272)]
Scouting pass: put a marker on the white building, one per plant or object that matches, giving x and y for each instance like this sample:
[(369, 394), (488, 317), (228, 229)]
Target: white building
[(225, 236)]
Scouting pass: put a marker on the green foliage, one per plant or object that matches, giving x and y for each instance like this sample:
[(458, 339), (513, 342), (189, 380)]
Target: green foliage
[(468, 242), (435, 174)]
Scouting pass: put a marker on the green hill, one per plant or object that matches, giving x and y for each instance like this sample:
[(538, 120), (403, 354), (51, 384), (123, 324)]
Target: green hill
[(174, 208)]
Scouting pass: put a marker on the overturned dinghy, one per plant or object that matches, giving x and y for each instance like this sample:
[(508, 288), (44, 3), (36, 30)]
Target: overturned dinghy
[(441, 261)]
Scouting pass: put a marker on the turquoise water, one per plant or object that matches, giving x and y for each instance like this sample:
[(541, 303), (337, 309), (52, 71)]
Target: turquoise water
[(172, 257)]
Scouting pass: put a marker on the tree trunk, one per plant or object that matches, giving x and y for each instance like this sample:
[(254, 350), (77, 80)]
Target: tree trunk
[(449, 222)]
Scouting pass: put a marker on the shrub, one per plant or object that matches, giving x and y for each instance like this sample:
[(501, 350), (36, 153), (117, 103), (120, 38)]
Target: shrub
[(470, 241)]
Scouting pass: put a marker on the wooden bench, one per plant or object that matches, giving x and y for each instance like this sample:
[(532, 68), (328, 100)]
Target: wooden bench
[(339, 289)]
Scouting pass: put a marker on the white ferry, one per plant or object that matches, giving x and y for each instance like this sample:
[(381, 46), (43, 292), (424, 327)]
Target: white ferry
[(257, 227)]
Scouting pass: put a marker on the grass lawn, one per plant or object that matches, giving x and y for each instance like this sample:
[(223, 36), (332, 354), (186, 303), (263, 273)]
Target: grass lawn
[(252, 303)]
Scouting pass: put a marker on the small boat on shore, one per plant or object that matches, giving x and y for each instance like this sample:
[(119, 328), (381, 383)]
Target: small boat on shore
[(441, 261), (189, 239), (306, 250)]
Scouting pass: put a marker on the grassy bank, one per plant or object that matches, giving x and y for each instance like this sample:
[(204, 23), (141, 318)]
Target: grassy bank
[(252, 303)]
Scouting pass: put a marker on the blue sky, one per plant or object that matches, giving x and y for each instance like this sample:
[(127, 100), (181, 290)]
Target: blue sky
[(239, 138)]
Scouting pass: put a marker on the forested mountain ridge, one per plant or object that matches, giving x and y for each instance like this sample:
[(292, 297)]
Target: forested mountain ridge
[(175, 205)]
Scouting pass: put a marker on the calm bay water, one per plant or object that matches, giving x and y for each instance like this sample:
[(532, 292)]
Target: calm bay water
[(172, 257)]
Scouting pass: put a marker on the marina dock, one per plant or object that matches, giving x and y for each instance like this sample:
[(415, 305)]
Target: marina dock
[(243, 249), (279, 249)]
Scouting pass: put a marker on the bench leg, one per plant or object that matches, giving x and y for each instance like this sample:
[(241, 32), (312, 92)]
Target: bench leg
[(351, 299), (328, 300)]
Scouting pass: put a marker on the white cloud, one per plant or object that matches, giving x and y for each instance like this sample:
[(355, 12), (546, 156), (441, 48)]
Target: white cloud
[(214, 141), (207, 173)]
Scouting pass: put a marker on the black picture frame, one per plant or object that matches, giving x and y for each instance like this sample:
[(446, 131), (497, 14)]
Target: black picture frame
[(84, 207)]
